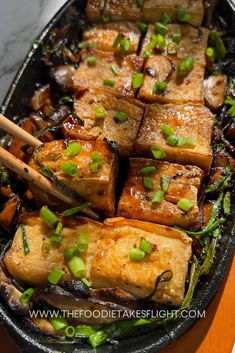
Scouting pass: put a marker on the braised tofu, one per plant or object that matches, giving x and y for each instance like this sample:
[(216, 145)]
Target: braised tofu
[(113, 267), (103, 35), (98, 111), (94, 10), (154, 10), (191, 122), (101, 74), (183, 182), (127, 10), (35, 267), (90, 173)]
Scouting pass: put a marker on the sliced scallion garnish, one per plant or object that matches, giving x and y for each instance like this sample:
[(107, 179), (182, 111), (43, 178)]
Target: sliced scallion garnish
[(55, 276), (185, 204), (73, 149), (77, 266), (74, 210), (157, 196), (48, 217), (26, 295), (70, 169)]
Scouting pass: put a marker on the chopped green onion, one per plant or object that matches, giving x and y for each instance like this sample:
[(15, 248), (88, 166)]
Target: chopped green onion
[(86, 45), (148, 170), (69, 331), (229, 101), (115, 70), (172, 48), (186, 65), (58, 229), (160, 41), (165, 182), (143, 27), (146, 54), (185, 204), (158, 152), (73, 149), (172, 140), (117, 41), (98, 338), (176, 38), (56, 239), (210, 53), (183, 16), (157, 196), (91, 60), (55, 276), (25, 240), (58, 323), (48, 217), (77, 266), (139, 3), (161, 28), (137, 80), (227, 203), (69, 253), (145, 246), (100, 112), (125, 45), (159, 86), (46, 247), (96, 166), (215, 186), (220, 50), (106, 18), (4, 175), (136, 254), (182, 141), (167, 130), (86, 282), (148, 183), (74, 210), (231, 112), (166, 19), (26, 295), (121, 116), (109, 83), (82, 242), (84, 331), (70, 169)]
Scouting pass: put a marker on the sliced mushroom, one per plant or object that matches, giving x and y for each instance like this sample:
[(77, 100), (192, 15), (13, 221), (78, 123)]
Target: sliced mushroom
[(89, 311), (63, 76), (11, 294), (9, 213), (214, 88), (41, 97), (42, 326)]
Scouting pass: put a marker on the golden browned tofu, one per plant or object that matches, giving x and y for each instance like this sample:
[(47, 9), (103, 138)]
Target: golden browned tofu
[(94, 10), (97, 76), (184, 182), (34, 268), (90, 173), (186, 89), (193, 122), (107, 257), (97, 101), (126, 10), (113, 267), (154, 10), (104, 35), (193, 42)]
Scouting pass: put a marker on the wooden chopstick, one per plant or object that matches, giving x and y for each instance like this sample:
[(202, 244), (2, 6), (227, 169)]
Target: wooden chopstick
[(29, 173), (13, 129)]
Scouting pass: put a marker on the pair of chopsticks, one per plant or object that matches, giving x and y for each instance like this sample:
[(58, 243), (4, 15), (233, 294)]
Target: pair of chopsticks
[(29, 173)]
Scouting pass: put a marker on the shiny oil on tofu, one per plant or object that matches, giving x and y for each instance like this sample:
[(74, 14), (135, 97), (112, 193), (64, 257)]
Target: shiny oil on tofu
[(113, 267), (98, 110), (154, 10), (34, 268), (90, 173), (193, 122), (184, 182), (107, 259), (127, 10), (94, 10), (104, 35), (96, 76)]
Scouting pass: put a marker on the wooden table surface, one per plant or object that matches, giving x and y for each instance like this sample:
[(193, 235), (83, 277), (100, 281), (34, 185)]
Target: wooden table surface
[(214, 334)]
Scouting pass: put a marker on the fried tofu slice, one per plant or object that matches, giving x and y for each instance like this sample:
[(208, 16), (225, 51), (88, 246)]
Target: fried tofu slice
[(95, 76), (107, 258), (104, 35), (35, 267), (184, 183), (93, 170), (154, 10), (126, 10), (187, 122), (113, 267), (91, 127), (94, 10)]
